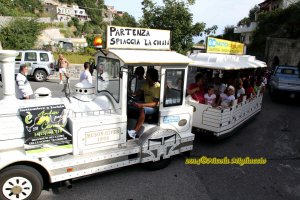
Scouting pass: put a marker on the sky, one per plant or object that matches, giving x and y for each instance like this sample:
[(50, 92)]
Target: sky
[(211, 12)]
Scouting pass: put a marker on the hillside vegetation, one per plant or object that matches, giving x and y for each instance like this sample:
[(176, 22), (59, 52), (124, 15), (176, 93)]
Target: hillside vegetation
[(24, 8), (280, 23)]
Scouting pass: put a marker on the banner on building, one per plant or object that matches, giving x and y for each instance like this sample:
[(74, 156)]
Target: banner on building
[(45, 130), (215, 45)]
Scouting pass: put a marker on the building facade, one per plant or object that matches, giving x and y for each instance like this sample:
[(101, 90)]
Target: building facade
[(246, 32), (63, 12), (270, 5)]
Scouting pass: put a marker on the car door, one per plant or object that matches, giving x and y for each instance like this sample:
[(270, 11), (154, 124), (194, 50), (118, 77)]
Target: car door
[(19, 60)]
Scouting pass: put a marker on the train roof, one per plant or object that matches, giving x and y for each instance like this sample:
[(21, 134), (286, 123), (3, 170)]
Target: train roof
[(225, 62)]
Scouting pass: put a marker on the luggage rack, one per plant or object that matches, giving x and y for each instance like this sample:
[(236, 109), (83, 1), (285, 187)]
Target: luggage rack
[(95, 113)]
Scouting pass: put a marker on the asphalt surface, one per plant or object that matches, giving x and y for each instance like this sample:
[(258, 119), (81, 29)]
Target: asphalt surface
[(274, 134)]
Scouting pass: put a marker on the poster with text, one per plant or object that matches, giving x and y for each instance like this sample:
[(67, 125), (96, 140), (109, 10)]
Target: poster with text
[(45, 130)]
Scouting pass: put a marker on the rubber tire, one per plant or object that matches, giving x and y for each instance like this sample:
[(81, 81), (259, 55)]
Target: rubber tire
[(29, 173), (157, 165), (40, 75)]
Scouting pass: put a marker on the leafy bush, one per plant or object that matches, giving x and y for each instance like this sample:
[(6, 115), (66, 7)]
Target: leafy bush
[(20, 34)]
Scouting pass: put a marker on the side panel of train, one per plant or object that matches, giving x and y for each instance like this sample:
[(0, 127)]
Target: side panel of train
[(223, 122)]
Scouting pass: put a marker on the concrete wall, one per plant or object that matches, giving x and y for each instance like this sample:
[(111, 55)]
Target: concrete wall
[(287, 51)]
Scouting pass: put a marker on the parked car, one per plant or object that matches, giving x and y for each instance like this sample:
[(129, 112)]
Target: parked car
[(40, 63), (285, 80)]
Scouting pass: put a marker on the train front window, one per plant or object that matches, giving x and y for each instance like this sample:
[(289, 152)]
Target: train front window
[(108, 79), (173, 94)]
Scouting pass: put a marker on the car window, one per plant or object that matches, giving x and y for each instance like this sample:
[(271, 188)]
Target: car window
[(173, 95), (30, 56), (44, 57), (19, 57), (287, 71)]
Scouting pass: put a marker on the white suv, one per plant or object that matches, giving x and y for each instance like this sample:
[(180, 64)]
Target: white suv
[(40, 63)]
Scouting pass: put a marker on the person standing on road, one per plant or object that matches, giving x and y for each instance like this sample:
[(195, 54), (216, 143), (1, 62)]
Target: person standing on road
[(92, 65), (86, 75), (23, 88), (62, 65)]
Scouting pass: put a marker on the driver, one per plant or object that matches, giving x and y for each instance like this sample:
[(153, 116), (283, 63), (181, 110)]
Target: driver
[(151, 90), (137, 82)]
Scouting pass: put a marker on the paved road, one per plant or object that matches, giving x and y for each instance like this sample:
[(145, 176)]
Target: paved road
[(274, 134)]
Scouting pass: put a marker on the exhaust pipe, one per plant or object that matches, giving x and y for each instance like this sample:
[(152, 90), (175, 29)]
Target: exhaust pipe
[(7, 64), (68, 184)]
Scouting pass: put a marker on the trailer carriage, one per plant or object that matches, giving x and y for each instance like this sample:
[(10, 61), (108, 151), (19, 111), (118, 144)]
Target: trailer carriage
[(222, 122)]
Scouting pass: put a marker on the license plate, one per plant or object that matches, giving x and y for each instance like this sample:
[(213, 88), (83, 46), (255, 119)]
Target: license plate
[(292, 95)]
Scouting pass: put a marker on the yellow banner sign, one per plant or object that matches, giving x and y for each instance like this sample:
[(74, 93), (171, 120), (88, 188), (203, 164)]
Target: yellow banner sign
[(215, 45)]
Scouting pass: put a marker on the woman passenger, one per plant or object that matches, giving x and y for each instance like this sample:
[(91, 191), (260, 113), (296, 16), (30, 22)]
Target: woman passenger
[(196, 90)]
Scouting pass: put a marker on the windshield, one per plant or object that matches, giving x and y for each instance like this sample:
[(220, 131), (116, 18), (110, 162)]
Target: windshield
[(108, 79)]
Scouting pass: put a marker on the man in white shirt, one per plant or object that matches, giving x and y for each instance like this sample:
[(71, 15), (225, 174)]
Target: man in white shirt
[(23, 88), (86, 75)]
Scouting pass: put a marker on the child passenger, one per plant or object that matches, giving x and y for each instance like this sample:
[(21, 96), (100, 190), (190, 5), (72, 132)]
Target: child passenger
[(228, 98), (210, 96), (241, 91)]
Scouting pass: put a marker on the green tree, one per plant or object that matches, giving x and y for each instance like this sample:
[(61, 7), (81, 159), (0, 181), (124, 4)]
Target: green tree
[(174, 16), (280, 23), (244, 22), (93, 8), (251, 17), (20, 34), (252, 12), (125, 20), (229, 34), (20, 8)]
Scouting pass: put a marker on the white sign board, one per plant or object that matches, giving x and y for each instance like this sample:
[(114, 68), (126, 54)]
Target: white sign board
[(101, 136), (137, 38)]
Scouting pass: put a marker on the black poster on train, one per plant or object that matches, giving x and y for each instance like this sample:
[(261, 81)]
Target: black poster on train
[(45, 130)]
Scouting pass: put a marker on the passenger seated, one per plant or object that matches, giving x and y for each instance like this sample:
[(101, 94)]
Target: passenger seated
[(228, 98), (196, 90), (241, 91), (217, 85), (151, 90), (137, 82), (210, 96), (179, 84), (249, 90), (259, 85)]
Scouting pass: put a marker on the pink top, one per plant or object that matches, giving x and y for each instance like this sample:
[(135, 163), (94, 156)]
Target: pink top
[(199, 95)]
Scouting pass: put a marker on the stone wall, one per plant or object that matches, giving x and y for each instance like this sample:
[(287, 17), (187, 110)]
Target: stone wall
[(73, 70), (285, 51)]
